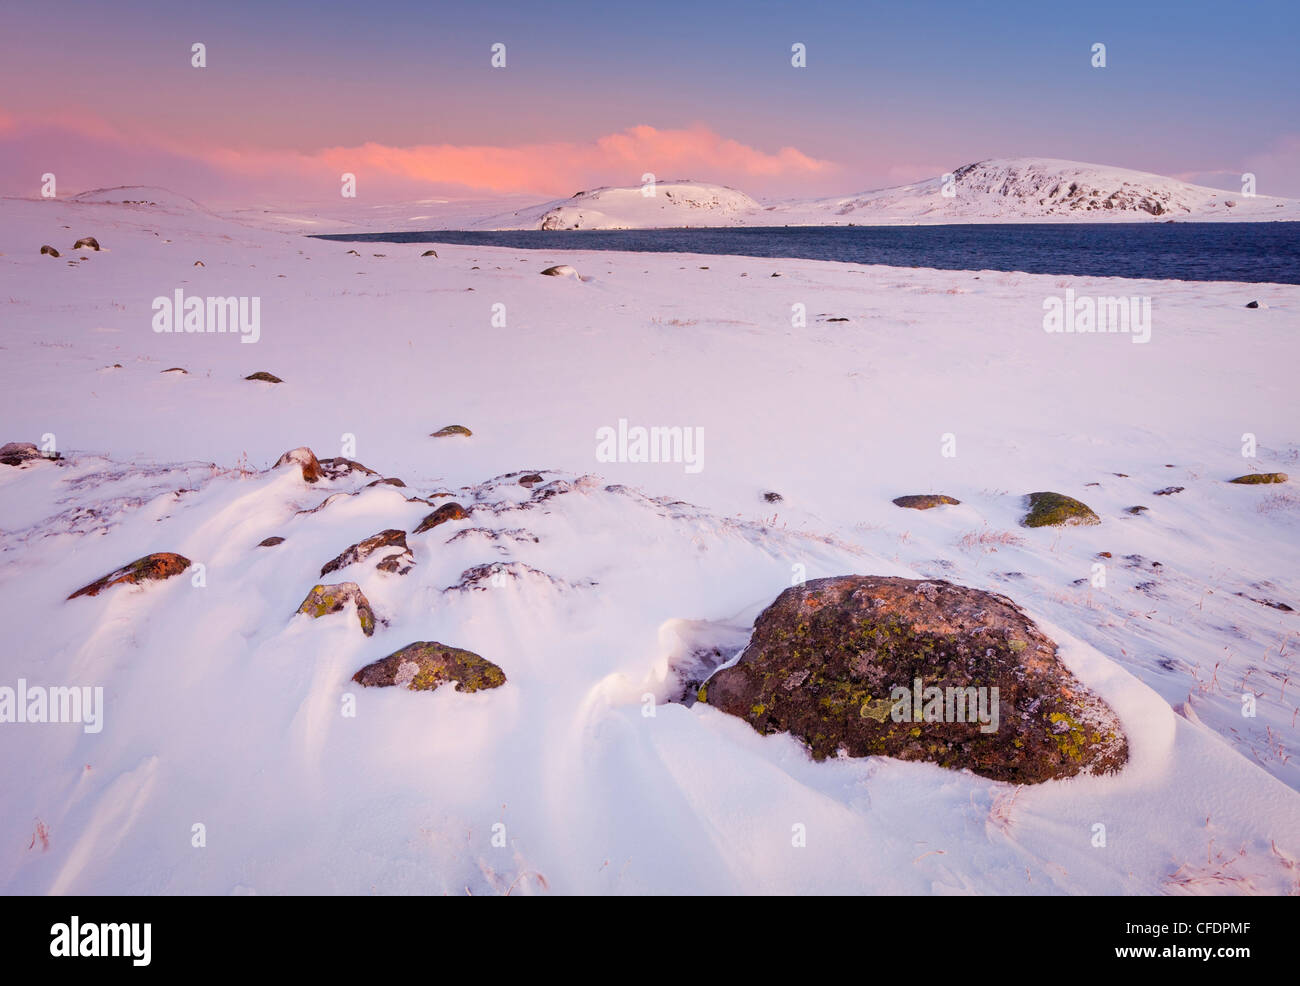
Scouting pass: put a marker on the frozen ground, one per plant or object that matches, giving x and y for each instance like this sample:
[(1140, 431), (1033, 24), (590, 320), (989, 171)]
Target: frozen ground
[(223, 708)]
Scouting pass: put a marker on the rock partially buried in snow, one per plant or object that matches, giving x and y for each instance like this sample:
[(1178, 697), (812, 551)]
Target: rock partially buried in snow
[(264, 377), (561, 270), (429, 253), (425, 665), (86, 243), (918, 670), (305, 458), (924, 501), (338, 467), (19, 453), (1056, 510), (391, 538), (270, 542), (150, 568), (448, 511), (529, 480), (1256, 478), (326, 599), (451, 430)]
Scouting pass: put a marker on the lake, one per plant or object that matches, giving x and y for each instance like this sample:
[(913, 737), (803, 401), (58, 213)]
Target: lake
[(1260, 252)]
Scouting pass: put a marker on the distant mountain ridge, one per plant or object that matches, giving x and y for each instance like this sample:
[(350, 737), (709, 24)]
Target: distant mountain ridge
[(996, 190)]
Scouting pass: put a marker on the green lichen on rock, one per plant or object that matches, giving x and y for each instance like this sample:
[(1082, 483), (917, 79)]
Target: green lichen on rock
[(835, 662), (1256, 478), (326, 599), (1056, 510), (426, 665), (924, 501), (150, 568), (452, 430)]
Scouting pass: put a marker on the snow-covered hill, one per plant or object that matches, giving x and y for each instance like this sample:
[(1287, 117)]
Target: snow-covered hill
[(1042, 189), (995, 191), (665, 204)]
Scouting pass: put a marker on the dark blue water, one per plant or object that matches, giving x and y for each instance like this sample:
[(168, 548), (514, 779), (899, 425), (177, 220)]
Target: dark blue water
[(1184, 251)]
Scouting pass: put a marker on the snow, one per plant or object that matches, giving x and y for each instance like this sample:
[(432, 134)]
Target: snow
[(224, 707), (995, 191)]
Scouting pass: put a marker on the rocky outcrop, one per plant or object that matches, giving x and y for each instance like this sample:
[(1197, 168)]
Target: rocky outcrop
[(1056, 510), (924, 501), (400, 558), (20, 453), (918, 670), (426, 665), (305, 458), (326, 599), (150, 568), (1256, 478), (448, 511)]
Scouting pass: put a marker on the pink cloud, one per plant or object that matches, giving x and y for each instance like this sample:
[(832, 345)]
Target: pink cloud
[(557, 168)]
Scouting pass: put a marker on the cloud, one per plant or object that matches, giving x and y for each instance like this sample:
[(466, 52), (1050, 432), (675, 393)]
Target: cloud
[(90, 153)]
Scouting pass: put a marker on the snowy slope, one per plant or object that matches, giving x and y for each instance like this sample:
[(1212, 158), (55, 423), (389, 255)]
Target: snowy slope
[(1005, 190), (672, 204), (224, 708), (1043, 189)]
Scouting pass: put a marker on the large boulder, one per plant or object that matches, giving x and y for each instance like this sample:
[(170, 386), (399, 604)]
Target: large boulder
[(1048, 509), (425, 665), (150, 568), (918, 670)]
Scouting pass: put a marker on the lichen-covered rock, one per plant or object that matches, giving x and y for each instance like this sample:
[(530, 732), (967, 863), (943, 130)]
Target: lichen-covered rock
[(425, 665), (918, 670), (1255, 478), (924, 501), (263, 376), (451, 430), (391, 538), (1056, 510), (150, 568), (326, 599), (305, 458), (448, 511), (86, 243)]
